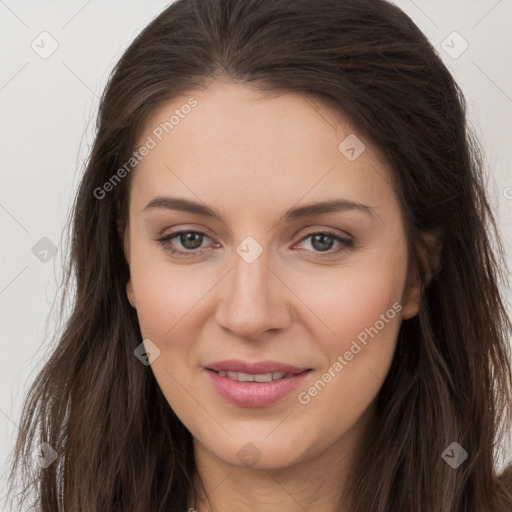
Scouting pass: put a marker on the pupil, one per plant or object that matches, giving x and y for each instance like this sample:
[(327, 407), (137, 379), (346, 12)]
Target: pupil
[(323, 244), (195, 240)]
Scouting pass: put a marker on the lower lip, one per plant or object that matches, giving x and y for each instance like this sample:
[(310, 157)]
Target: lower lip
[(255, 394)]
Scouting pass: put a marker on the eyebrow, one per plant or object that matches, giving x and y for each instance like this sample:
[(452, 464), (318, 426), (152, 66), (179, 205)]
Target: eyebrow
[(334, 205)]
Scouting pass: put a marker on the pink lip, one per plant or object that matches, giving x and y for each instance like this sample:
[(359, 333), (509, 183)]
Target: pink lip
[(255, 394)]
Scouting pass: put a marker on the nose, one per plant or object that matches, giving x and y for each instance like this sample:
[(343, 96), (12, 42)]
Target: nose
[(253, 299)]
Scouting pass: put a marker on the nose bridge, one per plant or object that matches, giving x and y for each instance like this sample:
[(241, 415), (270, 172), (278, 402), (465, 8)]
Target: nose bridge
[(252, 301), (250, 279)]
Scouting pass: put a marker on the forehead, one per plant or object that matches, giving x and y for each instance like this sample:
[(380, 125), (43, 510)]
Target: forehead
[(239, 143)]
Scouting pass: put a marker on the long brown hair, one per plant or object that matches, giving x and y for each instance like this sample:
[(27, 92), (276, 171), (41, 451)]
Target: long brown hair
[(120, 446)]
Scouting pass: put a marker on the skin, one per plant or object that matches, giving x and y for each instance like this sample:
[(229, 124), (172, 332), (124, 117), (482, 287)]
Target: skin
[(252, 156)]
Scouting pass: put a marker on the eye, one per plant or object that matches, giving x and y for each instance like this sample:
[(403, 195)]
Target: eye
[(323, 241), (191, 241)]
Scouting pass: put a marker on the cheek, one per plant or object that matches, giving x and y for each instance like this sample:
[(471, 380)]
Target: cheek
[(168, 296), (164, 299), (362, 310), (159, 289), (167, 302), (354, 299), (361, 306)]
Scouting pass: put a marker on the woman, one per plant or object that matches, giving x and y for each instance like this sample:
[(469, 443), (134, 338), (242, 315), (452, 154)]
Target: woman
[(286, 290)]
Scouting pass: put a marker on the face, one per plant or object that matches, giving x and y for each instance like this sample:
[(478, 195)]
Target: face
[(242, 269)]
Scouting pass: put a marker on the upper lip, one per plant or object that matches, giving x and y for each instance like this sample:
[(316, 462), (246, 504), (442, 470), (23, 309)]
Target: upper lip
[(257, 368)]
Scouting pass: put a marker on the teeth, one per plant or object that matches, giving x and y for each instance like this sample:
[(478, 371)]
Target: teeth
[(267, 377), (247, 377)]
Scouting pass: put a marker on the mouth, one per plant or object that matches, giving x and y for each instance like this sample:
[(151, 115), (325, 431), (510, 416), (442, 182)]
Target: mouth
[(257, 368), (265, 385), (259, 377)]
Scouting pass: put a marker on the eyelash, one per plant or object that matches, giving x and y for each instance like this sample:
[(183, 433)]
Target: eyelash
[(346, 243)]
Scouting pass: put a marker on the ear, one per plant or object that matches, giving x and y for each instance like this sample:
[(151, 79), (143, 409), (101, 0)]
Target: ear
[(125, 240), (130, 294), (123, 232), (429, 256)]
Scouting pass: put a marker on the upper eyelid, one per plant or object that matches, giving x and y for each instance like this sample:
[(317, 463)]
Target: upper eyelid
[(315, 229)]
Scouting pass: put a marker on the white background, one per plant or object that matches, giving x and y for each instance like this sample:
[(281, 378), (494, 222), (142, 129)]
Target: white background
[(48, 109)]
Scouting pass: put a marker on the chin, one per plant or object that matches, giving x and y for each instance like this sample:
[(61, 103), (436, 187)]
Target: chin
[(258, 453)]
